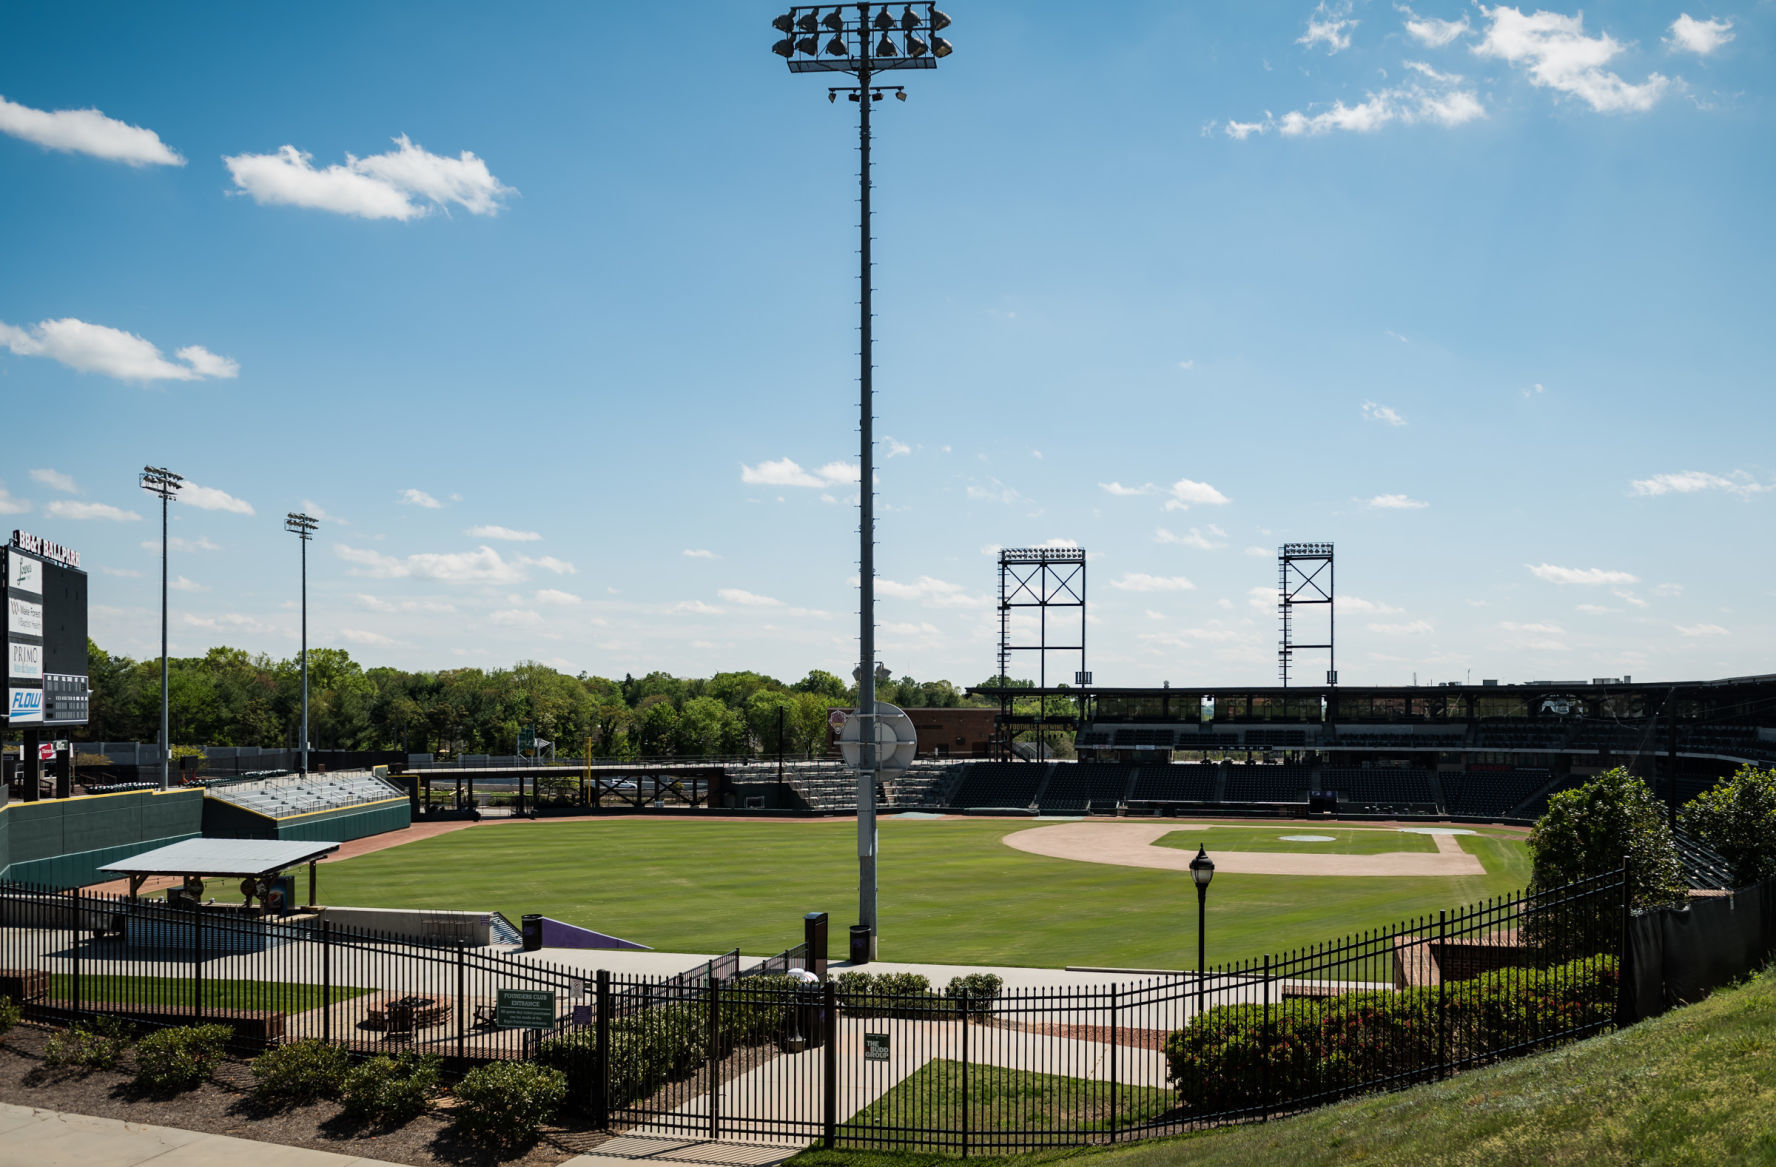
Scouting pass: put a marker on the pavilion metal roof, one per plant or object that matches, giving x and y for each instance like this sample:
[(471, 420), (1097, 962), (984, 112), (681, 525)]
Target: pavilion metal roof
[(222, 857)]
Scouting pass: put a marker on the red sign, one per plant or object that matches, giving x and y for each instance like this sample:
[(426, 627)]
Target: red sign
[(46, 752)]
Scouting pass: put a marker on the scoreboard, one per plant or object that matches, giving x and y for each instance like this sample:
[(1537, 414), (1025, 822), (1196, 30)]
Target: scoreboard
[(45, 633)]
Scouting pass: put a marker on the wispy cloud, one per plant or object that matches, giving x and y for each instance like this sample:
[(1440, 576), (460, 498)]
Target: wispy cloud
[(483, 565), (1329, 25), (1185, 492), (396, 184), (63, 508), (507, 534), (747, 599), (365, 637), (112, 352), (1701, 630), (698, 553), (1431, 32), (181, 544), (1702, 37), (86, 131), (894, 449), (55, 480), (181, 584), (1554, 53), (1382, 413), (1697, 481), (1140, 581), (1584, 576), (1409, 628), (429, 607), (418, 498), (787, 472), (1195, 537), (557, 597), (1121, 491), (11, 504), (208, 498), (930, 591), (1396, 502)]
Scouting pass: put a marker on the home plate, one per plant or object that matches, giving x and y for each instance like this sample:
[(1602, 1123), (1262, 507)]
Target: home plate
[(1308, 839)]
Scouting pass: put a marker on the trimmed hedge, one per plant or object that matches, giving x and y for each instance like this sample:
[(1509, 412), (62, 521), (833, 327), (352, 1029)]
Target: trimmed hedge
[(1221, 1062), (94, 1044), (505, 1104), (391, 1091), (10, 1014), (300, 1072), (181, 1057)]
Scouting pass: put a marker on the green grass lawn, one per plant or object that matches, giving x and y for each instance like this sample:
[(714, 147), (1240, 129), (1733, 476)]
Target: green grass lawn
[(1004, 1102), (950, 890), (218, 992), (1695, 1087), (1344, 840)]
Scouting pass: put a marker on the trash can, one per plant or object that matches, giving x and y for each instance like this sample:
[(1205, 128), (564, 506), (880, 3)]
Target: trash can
[(532, 927), (814, 940), (860, 944)]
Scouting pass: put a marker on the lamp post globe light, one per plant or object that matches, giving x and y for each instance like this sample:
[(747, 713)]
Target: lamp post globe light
[(863, 40), (303, 528), (164, 485), (1202, 870)]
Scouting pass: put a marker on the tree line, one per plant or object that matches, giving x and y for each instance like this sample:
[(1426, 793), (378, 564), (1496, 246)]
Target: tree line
[(229, 697)]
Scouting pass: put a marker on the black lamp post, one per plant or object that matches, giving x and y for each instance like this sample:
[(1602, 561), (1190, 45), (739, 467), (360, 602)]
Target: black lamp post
[(1202, 869), (863, 40)]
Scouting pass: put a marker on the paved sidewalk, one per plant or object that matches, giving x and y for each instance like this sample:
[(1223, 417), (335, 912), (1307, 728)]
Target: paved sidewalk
[(47, 1138)]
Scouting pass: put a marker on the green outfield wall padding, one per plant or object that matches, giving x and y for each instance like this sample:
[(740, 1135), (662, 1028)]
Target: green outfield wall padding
[(62, 842), (348, 823)]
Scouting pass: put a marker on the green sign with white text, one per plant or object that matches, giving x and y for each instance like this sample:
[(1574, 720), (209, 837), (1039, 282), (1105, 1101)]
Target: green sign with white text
[(525, 1009)]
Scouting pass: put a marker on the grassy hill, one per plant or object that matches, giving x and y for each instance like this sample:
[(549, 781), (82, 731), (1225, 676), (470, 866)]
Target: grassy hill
[(1697, 1086)]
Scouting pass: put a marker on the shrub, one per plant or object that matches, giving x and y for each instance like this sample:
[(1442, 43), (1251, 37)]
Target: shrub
[(180, 1058), (506, 1103), (9, 1014), (575, 1055), (95, 1044), (1738, 819), (887, 995), (1225, 1061), (980, 989), (300, 1072), (390, 1091), (755, 1010)]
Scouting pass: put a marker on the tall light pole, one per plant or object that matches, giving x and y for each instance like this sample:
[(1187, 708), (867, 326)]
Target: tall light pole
[(863, 40), (1202, 870), (303, 528), (163, 484)]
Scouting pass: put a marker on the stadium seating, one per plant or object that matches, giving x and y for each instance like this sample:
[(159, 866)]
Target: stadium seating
[(1490, 792), (1261, 783), (1004, 784), (1081, 786), (293, 795), (1380, 785), (1180, 782)]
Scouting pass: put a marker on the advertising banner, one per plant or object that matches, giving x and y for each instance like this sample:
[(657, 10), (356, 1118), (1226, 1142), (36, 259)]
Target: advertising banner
[(24, 573), (24, 661), (23, 618), (24, 706)]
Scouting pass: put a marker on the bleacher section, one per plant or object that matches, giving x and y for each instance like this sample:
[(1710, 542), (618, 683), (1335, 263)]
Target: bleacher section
[(293, 795), (1184, 782), (1004, 784), (1385, 788), (1260, 783), (1490, 792), (1077, 787)]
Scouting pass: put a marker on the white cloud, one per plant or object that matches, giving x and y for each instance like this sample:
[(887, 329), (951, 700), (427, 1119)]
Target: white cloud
[(1358, 604), (1595, 610), (1694, 481), (506, 533), (1439, 104), (1122, 491), (381, 186), (1140, 581), (697, 608), (516, 618), (787, 472), (1429, 31), (314, 510), (1668, 589), (1330, 25), (1194, 538), (1701, 630), (1260, 552), (63, 508), (1261, 598), (180, 543), (894, 448), (181, 584), (1587, 576), (360, 636), (547, 563), (418, 498), (1540, 629), (998, 492), (86, 131), (557, 597), (1410, 628), (11, 504), (377, 604), (55, 480), (1240, 131), (208, 498), (1396, 502), (1556, 54), (482, 565), (1701, 37), (1382, 413), (932, 592), (1184, 492), (747, 599), (1533, 390), (111, 352), (698, 553), (121, 572)]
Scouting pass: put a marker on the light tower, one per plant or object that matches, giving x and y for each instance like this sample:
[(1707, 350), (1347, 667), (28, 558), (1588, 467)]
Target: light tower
[(303, 528), (164, 485), (863, 40)]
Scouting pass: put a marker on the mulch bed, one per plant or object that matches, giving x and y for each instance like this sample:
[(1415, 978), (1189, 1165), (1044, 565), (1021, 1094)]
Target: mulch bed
[(224, 1107)]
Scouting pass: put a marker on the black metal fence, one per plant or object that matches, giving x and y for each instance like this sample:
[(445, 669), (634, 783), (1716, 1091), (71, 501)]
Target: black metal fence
[(870, 1062)]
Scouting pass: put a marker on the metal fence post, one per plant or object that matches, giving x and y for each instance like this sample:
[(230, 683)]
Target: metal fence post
[(715, 1058), (74, 937), (461, 990), (1114, 995), (197, 961), (1625, 997), (829, 1023), (601, 1062), (1264, 1053), (962, 1008), (326, 981), (1442, 993)]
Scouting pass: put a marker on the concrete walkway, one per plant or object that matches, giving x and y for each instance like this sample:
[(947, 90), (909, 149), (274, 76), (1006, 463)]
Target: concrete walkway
[(46, 1138)]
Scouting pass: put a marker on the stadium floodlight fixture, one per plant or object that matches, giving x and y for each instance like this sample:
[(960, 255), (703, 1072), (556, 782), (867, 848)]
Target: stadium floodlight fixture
[(303, 527), (856, 48), (164, 485)]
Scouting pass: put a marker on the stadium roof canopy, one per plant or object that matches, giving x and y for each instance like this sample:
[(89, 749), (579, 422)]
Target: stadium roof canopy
[(243, 857)]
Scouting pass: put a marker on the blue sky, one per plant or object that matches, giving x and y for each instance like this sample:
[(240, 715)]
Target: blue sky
[(548, 313)]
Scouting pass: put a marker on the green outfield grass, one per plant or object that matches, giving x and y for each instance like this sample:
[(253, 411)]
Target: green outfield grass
[(951, 891), (176, 992), (1344, 841)]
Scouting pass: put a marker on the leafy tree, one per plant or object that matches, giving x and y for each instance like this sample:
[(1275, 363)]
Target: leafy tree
[(827, 685), (656, 725), (1738, 819), (1588, 830)]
